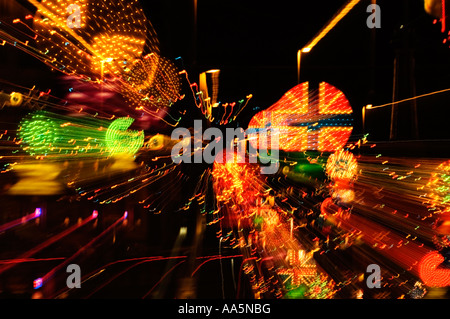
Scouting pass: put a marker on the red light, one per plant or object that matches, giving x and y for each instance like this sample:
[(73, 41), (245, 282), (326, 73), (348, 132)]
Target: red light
[(306, 121), (431, 274), (37, 283)]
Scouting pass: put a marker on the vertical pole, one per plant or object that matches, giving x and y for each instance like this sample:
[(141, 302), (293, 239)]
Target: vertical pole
[(394, 111), (292, 228), (415, 121), (444, 27), (195, 35), (299, 56), (372, 57), (363, 120)]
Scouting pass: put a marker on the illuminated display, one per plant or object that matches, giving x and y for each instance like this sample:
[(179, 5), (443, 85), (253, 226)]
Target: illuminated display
[(300, 271), (102, 42), (307, 122), (120, 140), (44, 133), (341, 165), (47, 134), (431, 271), (152, 81), (112, 50)]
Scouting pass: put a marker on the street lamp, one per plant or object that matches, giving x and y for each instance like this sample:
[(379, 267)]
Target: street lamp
[(323, 32), (299, 57), (366, 107), (195, 33)]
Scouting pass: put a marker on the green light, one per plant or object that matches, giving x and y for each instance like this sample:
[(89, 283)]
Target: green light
[(297, 293), (49, 134), (120, 140), (38, 134)]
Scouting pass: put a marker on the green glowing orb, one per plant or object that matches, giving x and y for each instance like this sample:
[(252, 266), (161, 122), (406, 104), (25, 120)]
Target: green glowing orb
[(120, 140), (38, 134)]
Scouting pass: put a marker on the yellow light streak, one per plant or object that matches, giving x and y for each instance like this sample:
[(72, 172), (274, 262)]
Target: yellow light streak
[(338, 17)]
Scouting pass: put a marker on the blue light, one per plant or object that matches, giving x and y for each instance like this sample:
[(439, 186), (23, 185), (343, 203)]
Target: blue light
[(37, 283), (38, 212)]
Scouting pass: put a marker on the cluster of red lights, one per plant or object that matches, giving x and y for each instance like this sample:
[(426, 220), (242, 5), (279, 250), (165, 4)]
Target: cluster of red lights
[(307, 121)]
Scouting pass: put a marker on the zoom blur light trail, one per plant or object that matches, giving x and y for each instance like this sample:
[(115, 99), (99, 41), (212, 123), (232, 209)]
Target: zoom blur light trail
[(49, 242), (39, 282), (393, 246), (48, 134), (21, 221)]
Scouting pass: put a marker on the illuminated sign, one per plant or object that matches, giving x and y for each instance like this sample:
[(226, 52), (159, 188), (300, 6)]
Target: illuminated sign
[(307, 121), (44, 133), (430, 271), (120, 140)]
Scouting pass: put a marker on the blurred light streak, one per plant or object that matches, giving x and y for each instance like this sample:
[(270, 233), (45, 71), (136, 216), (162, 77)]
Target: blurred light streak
[(392, 209), (162, 278), (44, 133), (330, 25), (52, 272), (20, 221), (261, 229), (139, 261), (209, 258), (141, 181), (243, 263), (381, 238), (26, 255), (146, 260), (28, 260), (102, 269), (409, 99), (203, 103)]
